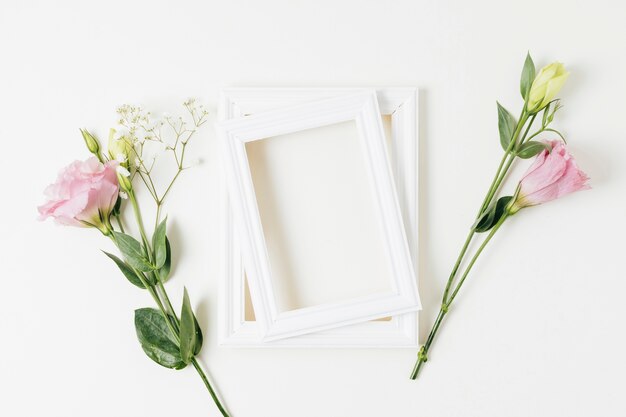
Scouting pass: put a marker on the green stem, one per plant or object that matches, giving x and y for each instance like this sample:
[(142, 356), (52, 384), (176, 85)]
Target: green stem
[(507, 154), (476, 255), (487, 198), (157, 216), (457, 264), (495, 186), (137, 211), (155, 296), (422, 357), (193, 360), (118, 218), (170, 308), (158, 292), (169, 187), (540, 131), (530, 123), (501, 173), (175, 332), (167, 300), (207, 384)]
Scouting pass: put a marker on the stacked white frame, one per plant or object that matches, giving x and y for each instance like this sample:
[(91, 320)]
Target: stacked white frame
[(401, 330)]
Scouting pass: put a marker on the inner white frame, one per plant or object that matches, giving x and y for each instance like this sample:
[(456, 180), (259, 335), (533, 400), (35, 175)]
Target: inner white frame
[(362, 107)]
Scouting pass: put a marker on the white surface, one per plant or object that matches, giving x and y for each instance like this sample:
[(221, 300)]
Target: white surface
[(538, 329), (237, 326)]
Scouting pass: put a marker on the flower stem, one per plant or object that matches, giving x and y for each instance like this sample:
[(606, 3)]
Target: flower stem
[(168, 303), (422, 354), (139, 219), (476, 255), (167, 310), (457, 264), (207, 384), (174, 328), (500, 173)]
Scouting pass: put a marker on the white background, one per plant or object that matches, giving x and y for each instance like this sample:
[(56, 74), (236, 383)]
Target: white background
[(539, 329)]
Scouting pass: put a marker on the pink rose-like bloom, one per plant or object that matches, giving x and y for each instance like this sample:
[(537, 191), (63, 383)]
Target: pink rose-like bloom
[(552, 175), (83, 195)]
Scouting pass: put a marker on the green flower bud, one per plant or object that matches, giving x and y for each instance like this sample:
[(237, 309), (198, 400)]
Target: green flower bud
[(546, 86), (120, 148), (92, 143), (123, 178)]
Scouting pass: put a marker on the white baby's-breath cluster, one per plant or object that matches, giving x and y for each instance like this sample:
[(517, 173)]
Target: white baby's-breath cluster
[(150, 138)]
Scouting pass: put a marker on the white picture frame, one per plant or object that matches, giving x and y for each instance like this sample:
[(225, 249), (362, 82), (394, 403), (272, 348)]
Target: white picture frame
[(362, 107), (235, 329)]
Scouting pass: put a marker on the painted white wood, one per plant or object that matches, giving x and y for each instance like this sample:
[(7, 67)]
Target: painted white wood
[(401, 330), (363, 108)]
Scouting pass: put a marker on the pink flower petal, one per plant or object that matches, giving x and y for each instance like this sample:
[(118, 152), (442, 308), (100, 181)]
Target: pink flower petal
[(84, 191), (552, 175)]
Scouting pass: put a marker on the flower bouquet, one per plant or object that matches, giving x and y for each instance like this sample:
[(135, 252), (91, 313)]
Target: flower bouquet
[(553, 174), (93, 194)]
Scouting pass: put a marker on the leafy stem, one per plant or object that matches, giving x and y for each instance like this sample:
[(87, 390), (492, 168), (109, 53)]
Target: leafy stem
[(501, 172), (159, 294), (457, 264), (525, 119), (207, 384), (170, 340), (508, 154), (139, 219), (423, 353), (475, 257)]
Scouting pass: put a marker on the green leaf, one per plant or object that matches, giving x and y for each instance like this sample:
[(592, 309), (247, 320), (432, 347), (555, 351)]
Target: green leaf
[(485, 220), (528, 76), (557, 106), (132, 251), (531, 148), (156, 339), (159, 245), (199, 338), (546, 112), (506, 126), (492, 215), (126, 270), (188, 331), (549, 112), (164, 272)]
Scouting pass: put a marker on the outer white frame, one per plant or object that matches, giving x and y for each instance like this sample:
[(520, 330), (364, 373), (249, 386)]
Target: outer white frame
[(402, 330), (235, 133)]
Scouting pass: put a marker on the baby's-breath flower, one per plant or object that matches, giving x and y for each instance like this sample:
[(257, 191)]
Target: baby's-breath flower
[(146, 138)]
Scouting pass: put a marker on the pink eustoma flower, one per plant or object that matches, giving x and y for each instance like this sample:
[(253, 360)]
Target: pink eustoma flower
[(83, 195), (553, 174)]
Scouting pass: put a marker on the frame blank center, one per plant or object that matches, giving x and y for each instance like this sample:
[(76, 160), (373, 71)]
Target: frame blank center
[(317, 211)]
